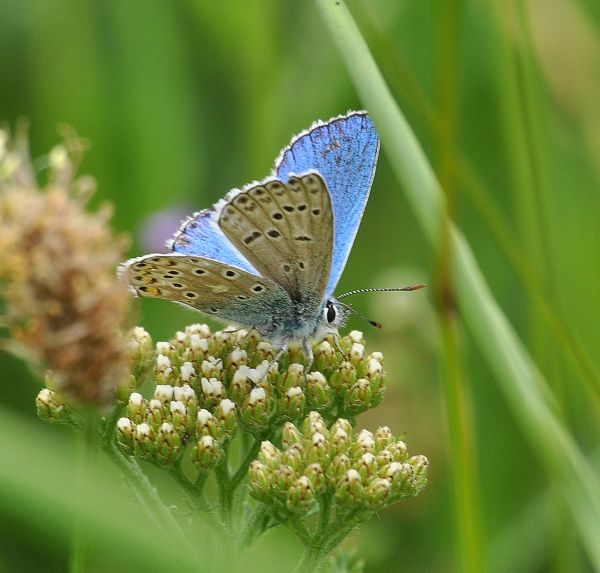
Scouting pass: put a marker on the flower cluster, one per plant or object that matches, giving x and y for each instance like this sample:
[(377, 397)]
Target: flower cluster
[(361, 471), (64, 305), (207, 385)]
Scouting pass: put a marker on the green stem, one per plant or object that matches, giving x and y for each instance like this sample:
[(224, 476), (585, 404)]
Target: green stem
[(256, 524), (242, 471), (324, 514), (144, 491), (225, 492), (195, 496), (87, 447)]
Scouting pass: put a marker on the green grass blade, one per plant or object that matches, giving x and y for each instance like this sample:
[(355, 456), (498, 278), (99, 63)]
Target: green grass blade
[(522, 383)]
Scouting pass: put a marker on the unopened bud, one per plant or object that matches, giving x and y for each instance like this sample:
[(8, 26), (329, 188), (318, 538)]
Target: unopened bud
[(206, 453), (318, 391), (301, 496), (290, 435)]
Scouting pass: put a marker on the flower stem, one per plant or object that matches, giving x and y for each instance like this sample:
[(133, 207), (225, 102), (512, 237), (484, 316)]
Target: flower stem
[(87, 447)]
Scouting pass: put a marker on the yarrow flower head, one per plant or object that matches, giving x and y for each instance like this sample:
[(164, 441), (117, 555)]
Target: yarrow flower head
[(361, 471), (216, 383)]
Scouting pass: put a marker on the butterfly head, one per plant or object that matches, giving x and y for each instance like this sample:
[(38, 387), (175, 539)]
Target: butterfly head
[(335, 314)]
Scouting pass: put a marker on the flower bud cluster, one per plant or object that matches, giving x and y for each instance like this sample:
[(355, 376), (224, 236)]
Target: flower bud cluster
[(362, 471), (207, 384), (51, 408)]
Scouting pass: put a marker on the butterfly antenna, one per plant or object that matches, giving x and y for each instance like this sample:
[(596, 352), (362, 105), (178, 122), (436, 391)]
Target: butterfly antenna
[(353, 311), (399, 289)]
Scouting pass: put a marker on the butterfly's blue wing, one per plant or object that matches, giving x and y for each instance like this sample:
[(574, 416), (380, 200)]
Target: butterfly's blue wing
[(200, 235), (344, 151)]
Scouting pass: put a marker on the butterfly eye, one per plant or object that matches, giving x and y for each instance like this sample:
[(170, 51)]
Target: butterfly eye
[(330, 313)]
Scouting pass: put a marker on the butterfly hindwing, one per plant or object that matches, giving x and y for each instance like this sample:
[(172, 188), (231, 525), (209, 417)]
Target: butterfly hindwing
[(212, 287), (344, 151), (200, 235), (286, 232)]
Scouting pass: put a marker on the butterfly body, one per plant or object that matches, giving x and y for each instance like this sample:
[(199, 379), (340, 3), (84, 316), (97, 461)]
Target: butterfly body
[(269, 256)]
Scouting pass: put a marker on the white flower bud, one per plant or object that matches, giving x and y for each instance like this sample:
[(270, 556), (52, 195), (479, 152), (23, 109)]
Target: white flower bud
[(211, 366), (212, 386), (163, 348), (198, 343), (200, 329), (325, 347), (368, 459), (242, 373), (374, 367), (356, 336), (187, 371), (124, 424), (163, 392), (264, 347), (365, 439), (394, 468), (304, 482), (184, 393), (143, 430), (155, 404), (135, 399), (178, 407), (357, 350), (226, 406), (341, 434), (166, 428), (318, 438), (207, 441), (294, 391), (257, 394), (239, 356), (45, 396), (352, 475), (180, 336), (257, 374), (203, 417), (376, 356), (162, 362)]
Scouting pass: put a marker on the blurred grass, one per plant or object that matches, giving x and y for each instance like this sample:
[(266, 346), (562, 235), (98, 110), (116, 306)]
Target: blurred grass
[(183, 101)]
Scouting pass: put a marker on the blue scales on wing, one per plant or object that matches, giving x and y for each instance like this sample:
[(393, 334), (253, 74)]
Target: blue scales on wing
[(344, 151), (200, 235)]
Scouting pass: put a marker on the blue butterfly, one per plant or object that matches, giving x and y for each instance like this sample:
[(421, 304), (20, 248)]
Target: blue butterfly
[(269, 256)]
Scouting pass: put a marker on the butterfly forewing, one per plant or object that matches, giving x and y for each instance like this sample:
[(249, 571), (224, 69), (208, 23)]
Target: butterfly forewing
[(209, 286), (286, 232), (344, 151)]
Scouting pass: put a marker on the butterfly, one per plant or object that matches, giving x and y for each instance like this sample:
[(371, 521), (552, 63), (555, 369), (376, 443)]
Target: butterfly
[(269, 256)]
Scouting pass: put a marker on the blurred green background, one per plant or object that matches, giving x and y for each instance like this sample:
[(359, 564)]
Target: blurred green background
[(182, 101)]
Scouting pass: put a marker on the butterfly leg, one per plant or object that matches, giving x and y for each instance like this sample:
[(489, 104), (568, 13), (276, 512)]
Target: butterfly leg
[(276, 358), (310, 357), (337, 340)]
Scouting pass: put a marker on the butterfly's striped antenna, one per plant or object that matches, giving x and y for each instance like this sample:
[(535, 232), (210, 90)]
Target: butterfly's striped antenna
[(354, 311), (410, 288), (374, 323)]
